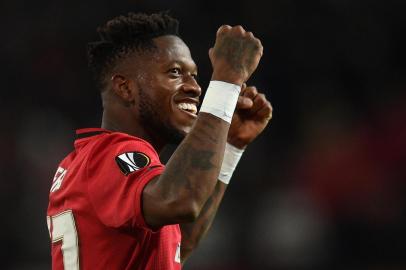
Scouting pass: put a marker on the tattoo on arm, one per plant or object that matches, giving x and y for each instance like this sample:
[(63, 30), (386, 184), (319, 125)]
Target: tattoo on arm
[(192, 233), (235, 50), (200, 159), (194, 158), (206, 133), (231, 49)]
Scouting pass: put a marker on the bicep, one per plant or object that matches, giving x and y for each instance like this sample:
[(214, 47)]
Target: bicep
[(150, 205)]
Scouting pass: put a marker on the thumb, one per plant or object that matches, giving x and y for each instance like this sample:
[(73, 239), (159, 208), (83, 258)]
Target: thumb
[(243, 86), (244, 103)]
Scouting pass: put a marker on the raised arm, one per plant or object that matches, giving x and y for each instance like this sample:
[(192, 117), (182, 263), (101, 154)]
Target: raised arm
[(179, 194), (250, 118)]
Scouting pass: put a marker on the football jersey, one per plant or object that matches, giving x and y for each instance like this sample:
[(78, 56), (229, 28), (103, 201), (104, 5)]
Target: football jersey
[(95, 215)]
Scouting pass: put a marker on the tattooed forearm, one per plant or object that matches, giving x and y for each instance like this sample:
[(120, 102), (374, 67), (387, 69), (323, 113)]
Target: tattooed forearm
[(200, 159), (193, 232), (207, 131), (193, 169), (193, 158), (190, 176)]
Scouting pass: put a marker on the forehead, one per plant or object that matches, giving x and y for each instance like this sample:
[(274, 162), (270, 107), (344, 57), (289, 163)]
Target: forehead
[(172, 49)]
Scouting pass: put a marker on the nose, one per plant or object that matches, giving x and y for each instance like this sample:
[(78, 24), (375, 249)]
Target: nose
[(191, 86)]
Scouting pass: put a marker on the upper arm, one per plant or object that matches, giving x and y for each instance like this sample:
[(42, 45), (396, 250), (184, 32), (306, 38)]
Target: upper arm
[(117, 175)]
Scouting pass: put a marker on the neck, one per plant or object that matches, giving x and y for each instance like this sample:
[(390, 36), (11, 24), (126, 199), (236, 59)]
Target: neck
[(122, 122)]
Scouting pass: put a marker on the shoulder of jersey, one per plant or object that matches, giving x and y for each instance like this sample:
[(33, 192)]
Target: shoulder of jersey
[(131, 161)]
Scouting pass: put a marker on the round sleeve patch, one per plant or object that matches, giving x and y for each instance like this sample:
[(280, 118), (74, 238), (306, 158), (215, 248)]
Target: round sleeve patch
[(132, 161)]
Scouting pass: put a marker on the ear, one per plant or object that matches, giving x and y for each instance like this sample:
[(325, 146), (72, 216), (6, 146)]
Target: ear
[(123, 87)]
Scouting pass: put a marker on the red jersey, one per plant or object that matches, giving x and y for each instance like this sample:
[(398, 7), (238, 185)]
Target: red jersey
[(95, 215)]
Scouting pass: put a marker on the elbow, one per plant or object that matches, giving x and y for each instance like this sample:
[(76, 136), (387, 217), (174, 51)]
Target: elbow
[(192, 212), (188, 211)]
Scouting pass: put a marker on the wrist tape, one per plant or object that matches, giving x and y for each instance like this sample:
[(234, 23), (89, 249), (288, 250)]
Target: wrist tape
[(232, 155), (221, 99)]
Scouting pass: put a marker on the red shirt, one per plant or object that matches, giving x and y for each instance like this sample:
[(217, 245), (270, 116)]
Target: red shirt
[(95, 216)]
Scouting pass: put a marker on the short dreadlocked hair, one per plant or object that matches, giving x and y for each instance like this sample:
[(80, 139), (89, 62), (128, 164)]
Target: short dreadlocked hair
[(124, 35)]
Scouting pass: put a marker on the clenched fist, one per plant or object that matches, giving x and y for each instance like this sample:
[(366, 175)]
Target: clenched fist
[(235, 55), (250, 118)]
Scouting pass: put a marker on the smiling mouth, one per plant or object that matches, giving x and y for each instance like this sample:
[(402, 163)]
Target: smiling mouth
[(188, 107)]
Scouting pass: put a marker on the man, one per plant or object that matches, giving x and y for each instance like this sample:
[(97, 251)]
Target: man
[(112, 204)]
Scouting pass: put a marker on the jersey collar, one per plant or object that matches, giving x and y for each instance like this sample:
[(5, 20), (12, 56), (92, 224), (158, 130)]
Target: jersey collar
[(88, 132)]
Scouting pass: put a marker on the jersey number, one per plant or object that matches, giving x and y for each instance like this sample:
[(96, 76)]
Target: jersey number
[(58, 178), (64, 229)]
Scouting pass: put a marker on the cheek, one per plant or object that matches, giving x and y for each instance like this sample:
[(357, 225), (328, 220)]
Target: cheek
[(163, 98), (161, 90), (155, 93), (164, 103)]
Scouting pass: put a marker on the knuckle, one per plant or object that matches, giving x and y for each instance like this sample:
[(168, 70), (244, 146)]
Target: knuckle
[(222, 29), (257, 42), (261, 99), (239, 29), (254, 90)]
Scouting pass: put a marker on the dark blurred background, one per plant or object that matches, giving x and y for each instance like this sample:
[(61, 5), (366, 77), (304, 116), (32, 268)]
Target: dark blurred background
[(322, 188)]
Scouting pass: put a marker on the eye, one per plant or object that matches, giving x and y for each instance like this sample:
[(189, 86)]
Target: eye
[(175, 71)]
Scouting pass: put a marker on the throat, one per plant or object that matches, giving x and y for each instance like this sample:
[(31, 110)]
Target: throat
[(121, 123)]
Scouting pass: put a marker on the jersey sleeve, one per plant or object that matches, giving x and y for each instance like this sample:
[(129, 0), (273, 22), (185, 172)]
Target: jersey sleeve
[(118, 169)]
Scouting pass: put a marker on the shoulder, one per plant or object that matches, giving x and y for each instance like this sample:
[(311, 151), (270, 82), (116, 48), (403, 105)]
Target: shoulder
[(117, 141), (127, 152)]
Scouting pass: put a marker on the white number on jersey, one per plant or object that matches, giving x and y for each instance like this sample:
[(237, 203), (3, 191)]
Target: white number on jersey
[(64, 229), (58, 178), (177, 254)]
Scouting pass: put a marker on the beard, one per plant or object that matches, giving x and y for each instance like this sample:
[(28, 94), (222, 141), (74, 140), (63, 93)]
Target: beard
[(154, 123)]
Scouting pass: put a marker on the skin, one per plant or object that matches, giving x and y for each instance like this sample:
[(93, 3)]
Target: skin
[(251, 117), (158, 80), (147, 87)]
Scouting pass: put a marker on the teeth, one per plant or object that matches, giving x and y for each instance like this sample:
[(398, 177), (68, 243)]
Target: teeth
[(188, 106)]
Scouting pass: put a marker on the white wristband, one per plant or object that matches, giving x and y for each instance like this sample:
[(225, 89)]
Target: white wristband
[(221, 99), (232, 155)]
